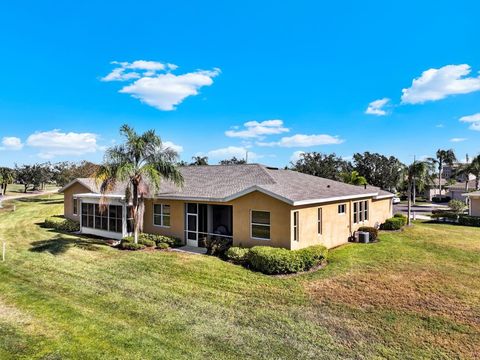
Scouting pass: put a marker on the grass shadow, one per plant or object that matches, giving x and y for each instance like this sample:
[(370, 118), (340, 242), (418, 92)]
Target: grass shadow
[(59, 245), (40, 200)]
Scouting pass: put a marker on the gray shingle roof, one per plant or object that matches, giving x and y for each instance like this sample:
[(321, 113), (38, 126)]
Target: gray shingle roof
[(227, 182)]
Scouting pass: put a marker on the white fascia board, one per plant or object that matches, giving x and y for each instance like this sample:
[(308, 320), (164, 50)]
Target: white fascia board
[(97, 196), (384, 196), (332, 199)]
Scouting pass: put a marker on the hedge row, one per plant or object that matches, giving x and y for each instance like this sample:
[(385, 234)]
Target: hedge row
[(272, 261), (395, 223), (149, 240), (468, 220), (61, 224)]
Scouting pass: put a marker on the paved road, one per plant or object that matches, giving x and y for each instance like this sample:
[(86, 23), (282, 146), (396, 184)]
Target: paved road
[(421, 210), (23, 195)]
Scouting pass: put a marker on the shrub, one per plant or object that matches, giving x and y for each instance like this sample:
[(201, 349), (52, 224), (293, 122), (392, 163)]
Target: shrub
[(440, 198), (218, 245), (457, 206), (395, 223), (237, 255), (444, 215), (469, 220), (400, 215), (270, 260), (371, 230), (125, 245), (152, 240), (163, 246), (61, 224)]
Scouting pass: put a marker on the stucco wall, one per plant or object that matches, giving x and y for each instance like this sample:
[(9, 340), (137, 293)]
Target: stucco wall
[(475, 206), (76, 188), (380, 211), (177, 215)]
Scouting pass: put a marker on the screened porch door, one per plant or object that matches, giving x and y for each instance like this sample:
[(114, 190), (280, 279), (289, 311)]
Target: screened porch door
[(191, 224)]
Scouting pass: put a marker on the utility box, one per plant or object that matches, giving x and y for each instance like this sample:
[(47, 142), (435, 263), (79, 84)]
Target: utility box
[(363, 237)]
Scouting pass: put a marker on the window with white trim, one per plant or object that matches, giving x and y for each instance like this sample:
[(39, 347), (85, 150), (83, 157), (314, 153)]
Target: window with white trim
[(161, 215), (295, 226), (360, 211), (260, 224), (342, 209), (75, 206), (319, 221)]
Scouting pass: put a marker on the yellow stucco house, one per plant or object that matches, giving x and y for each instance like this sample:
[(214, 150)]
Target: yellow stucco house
[(252, 204), (473, 203)]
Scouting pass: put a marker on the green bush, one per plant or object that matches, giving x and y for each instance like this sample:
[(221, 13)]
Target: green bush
[(152, 240), (457, 206), (61, 224), (218, 245), (468, 220), (444, 215), (371, 230), (400, 215), (237, 255), (163, 246), (270, 260), (125, 245), (395, 223)]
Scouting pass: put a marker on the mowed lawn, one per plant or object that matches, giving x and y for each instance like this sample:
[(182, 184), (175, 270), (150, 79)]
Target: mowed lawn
[(415, 294)]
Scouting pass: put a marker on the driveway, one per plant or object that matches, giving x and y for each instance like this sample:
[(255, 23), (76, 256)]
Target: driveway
[(419, 211)]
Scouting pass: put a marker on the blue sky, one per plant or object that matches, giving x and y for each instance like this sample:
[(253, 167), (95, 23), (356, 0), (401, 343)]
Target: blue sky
[(218, 78)]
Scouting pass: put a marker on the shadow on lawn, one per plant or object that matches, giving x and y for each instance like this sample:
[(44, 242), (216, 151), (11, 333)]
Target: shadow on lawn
[(60, 245), (41, 200)]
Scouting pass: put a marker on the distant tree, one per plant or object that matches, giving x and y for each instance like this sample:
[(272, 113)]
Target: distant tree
[(64, 172), (443, 157), (379, 170), (472, 168), (233, 161), (182, 163), (142, 163), (7, 176), (353, 178), (419, 173), (199, 160), (328, 166), (33, 176)]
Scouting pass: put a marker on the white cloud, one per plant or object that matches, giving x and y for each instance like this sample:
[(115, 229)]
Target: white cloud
[(173, 146), (440, 126), (164, 90), (255, 129), (437, 84), (457, 139), (300, 140), (376, 107), (473, 120), (228, 152), (11, 143), (56, 143), (296, 155)]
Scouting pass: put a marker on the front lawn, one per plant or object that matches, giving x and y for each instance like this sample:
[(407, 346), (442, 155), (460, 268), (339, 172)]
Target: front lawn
[(414, 294)]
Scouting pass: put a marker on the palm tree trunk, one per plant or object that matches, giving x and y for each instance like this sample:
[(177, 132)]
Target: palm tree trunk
[(135, 213), (409, 193), (440, 168)]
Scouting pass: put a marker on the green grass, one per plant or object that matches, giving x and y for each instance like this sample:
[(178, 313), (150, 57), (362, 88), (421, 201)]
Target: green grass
[(19, 189), (415, 294)]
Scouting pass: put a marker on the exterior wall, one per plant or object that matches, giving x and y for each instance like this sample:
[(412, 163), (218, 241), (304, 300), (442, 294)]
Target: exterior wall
[(177, 218), (76, 188), (475, 206), (100, 232), (336, 228)]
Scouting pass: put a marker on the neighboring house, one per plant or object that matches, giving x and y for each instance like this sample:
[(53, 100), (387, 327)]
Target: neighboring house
[(457, 191), (450, 172), (473, 203), (252, 204), (431, 190)]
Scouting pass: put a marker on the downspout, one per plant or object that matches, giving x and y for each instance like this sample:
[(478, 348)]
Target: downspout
[(350, 225)]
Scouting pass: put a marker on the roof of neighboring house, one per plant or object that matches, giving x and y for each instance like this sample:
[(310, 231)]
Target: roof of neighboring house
[(92, 185), (461, 185), (223, 183)]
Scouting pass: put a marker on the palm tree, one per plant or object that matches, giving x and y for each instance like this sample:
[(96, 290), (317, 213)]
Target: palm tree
[(141, 162), (472, 168), (417, 174), (7, 176), (199, 160), (443, 157), (353, 178)]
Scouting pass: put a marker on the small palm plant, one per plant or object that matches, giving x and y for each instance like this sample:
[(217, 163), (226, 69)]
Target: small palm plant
[(142, 162), (353, 178)]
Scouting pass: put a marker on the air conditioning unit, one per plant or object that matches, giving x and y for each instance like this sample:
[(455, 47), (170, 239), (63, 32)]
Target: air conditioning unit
[(363, 237)]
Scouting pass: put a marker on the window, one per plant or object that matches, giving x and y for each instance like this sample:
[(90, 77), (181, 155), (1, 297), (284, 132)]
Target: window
[(260, 225), (75, 204), (87, 215), (129, 219), (115, 213), (360, 211), (341, 208), (101, 217), (161, 215), (319, 221), (295, 226)]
